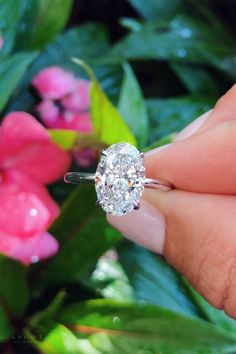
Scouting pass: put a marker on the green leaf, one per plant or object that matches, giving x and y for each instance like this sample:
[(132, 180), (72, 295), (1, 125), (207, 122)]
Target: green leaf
[(113, 327), (84, 236), (169, 115), (60, 340), (5, 326), (43, 321), (9, 14), (154, 281), (14, 293), (132, 106), (40, 21), (64, 138), (52, 16), (110, 279), (182, 39), (218, 317), (196, 79), (84, 41), (156, 9), (11, 71), (108, 125)]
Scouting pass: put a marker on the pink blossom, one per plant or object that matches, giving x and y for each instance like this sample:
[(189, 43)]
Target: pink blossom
[(54, 82), (80, 122), (84, 157), (67, 109), (1, 42), (49, 112), (28, 159), (78, 101)]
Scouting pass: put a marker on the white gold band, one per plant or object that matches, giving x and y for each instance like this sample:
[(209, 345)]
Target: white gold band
[(89, 178)]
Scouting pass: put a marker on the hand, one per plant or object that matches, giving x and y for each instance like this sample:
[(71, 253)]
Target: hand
[(194, 225)]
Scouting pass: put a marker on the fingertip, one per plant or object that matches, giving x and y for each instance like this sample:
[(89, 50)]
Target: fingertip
[(145, 226)]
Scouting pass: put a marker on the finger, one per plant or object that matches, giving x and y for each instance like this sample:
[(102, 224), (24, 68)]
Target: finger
[(196, 233), (204, 162), (193, 127), (224, 111)]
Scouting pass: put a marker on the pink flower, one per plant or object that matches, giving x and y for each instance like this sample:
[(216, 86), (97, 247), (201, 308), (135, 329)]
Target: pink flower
[(54, 82), (84, 157), (65, 106), (80, 122), (78, 101), (1, 42), (28, 160), (49, 113)]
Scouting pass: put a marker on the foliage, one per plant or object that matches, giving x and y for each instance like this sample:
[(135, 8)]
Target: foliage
[(139, 304)]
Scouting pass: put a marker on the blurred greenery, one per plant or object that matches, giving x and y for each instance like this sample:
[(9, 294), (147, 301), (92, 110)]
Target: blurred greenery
[(155, 65)]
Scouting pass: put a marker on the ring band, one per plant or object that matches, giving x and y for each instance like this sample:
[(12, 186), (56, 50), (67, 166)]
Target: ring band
[(89, 178), (119, 179)]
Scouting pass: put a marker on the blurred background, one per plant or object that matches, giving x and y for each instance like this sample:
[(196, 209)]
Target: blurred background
[(70, 283)]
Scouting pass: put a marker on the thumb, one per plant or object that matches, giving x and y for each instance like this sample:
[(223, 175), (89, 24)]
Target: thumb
[(195, 233)]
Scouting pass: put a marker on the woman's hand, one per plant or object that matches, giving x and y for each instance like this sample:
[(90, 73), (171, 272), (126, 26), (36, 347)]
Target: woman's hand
[(194, 225)]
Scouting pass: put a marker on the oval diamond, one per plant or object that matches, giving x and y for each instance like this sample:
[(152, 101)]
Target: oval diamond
[(119, 179)]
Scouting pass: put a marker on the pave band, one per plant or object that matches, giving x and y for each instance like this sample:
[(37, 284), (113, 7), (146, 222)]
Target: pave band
[(89, 178)]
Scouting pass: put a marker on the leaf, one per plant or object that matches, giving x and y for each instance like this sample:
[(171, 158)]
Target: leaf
[(132, 106), (52, 16), (154, 281), (9, 14), (108, 125), (113, 327), (11, 71), (183, 40), (156, 9), (40, 21), (5, 326), (14, 292), (110, 280), (43, 321), (64, 138), (60, 341), (84, 41), (84, 236), (218, 317), (196, 79), (169, 115)]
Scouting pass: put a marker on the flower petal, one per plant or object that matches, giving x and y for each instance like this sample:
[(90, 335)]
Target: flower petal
[(26, 206), (49, 112), (21, 128), (80, 122), (84, 158), (54, 82), (30, 250), (79, 100), (26, 145), (45, 162)]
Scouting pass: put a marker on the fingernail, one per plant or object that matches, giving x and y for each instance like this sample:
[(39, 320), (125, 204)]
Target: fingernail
[(193, 127), (153, 151), (145, 226)]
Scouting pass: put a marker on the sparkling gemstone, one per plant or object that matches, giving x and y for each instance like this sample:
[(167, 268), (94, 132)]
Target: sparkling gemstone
[(119, 179)]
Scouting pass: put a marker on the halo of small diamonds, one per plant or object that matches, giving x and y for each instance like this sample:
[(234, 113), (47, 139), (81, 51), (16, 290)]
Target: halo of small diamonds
[(119, 179)]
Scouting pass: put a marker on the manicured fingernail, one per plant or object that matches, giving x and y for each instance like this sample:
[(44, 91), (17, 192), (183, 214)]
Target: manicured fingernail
[(193, 127), (153, 151), (145, 226)]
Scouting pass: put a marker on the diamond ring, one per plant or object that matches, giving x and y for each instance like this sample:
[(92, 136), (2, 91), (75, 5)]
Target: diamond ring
[(119, 179)]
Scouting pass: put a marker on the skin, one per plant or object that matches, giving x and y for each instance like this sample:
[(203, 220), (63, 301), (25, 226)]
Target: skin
[(194, 225)]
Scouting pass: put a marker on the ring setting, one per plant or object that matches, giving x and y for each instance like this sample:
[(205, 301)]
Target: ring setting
[(119, 180)]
